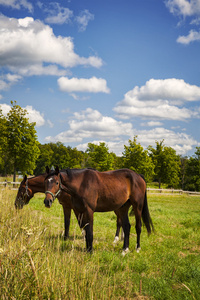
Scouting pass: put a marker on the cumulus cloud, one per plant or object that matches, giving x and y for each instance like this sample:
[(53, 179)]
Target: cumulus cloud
[(83, 19), (92, 85), (7, 80), (17, 4), (189, 9), (159, 99), (184, 7), (32, 114), (28, 43), (89, 124), (191, 37), (57, 14)]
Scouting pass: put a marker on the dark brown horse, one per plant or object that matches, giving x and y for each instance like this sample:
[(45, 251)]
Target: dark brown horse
[(94, 191), (30, 186)]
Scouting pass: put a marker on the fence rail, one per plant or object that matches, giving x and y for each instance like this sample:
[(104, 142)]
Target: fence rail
[(9, 183), (171, 191), (150, 190)]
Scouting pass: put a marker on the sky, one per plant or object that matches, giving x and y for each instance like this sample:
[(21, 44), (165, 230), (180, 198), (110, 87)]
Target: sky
[(104, 70)]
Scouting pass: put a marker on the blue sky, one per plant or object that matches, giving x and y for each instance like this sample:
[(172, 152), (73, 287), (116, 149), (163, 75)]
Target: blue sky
[(93, 71)]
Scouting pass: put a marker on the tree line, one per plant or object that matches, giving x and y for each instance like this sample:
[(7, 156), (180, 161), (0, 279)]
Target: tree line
[(21, 152)]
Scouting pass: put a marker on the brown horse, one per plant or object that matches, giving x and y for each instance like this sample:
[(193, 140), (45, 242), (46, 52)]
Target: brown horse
[(30, 186), (94, 191)]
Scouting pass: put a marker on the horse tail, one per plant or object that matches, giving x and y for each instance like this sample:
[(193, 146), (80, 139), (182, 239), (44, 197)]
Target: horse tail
[(146, 215)]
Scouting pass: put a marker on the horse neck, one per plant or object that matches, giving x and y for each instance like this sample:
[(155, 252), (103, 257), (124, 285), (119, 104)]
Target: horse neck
[(36, 184), (70, 183)]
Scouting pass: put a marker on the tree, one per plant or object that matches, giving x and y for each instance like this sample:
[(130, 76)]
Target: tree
[(137, 159), (167, 164), (192, 174), (22, 141), (99, 157), (44, 159), (3, 140)]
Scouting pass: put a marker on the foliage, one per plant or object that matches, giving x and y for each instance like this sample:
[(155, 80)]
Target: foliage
[(44, 159), (21, 141), (56, 154), (99, 157), (167, 164), (36, 263), (3, 140), (137, 159), (192, 173)]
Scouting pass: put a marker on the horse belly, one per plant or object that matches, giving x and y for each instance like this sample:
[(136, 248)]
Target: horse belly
[(111, 202)]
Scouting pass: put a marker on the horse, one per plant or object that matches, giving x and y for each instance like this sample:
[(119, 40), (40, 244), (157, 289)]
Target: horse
[(35, 184), (94, 191), (30, 186)]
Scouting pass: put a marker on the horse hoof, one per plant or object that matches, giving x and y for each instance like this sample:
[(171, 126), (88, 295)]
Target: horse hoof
[(124, 252), (116, 240), (138, 249)]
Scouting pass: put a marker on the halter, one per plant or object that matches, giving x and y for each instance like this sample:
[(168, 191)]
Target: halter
[(58, 192), (26, 187)]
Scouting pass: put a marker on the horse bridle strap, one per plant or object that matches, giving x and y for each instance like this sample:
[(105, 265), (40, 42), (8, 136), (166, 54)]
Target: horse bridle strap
[(26, 194), (56, 194)]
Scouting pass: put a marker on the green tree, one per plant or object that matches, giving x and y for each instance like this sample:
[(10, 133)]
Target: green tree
[(60, 155), (167, 164), (22, 141), (137, 159), (44, 159), (99, 157), (3, 141), (192, 174)]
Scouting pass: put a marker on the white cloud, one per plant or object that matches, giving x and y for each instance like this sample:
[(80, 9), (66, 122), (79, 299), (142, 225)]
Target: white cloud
[(159, 99), (32, 114), (83, 19), (184, 7), (152, 124), (91, 123), (17, 4), (7, 80), (92, 85), (91, 126), (28, 43), (191, 37), (35, 116), (58, 14)]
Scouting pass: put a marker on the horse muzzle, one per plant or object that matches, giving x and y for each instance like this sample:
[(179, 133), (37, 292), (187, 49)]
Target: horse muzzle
[(48, 202)]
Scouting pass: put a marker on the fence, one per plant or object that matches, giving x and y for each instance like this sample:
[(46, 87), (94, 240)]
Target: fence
[(170, 192), (9, 184), (12, 184)]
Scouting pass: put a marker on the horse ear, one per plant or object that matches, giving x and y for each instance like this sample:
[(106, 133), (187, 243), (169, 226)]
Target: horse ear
[(47, 170), (57, 170)]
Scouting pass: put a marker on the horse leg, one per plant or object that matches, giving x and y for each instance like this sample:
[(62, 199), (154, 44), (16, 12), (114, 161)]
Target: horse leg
[(138, 226), (119, 225), (87, 225), (123, 211), (126, 227), (138, 231), (67, 215)]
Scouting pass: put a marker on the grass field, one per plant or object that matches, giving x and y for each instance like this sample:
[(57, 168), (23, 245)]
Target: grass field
[(36, 263)]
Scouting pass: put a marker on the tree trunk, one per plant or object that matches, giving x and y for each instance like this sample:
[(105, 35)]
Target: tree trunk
[(159, 181), (14, 177)]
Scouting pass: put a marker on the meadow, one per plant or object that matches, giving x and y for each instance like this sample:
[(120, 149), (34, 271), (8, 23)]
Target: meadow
[(36, 263)]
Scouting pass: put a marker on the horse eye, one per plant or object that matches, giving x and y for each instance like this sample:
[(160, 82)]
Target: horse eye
[(57, 182)]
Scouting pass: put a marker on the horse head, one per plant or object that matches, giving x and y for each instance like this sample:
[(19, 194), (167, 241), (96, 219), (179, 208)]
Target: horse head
[(52, 186), (24, 194)]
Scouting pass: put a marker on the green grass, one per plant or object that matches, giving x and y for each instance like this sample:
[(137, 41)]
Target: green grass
[(36, 263)]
